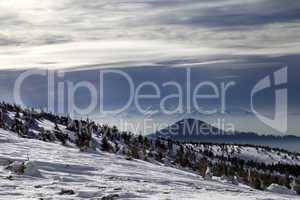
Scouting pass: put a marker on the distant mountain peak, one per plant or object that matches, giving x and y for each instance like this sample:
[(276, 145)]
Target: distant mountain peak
[(189, 128), (190, 121), (194, 130)]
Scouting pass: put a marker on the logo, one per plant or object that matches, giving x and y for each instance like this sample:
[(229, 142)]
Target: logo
[(279, 122)]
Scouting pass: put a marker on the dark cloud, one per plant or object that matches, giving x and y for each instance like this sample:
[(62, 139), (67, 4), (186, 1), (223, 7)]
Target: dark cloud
[(54, 39), (239, 14), (5, 41)]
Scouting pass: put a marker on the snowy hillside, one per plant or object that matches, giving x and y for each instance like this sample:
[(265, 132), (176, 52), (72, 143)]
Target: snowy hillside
[(252, 153), (58, 172), (43, 155), (248, 153)]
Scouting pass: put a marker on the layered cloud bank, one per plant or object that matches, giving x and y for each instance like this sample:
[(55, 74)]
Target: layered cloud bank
[(73, 33)]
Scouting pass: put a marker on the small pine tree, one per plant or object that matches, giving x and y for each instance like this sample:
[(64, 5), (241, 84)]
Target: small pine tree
[(56, 126), (146, 143), (296, 188), (134, 152), (208, 174), (201, 167), (105, 145), (17, 115), (1, 119), (256, 184), (140, 139), (179, 155)]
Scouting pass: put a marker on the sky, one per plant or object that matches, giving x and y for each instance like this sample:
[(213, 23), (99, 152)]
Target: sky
[(153, 40), (73, 33)]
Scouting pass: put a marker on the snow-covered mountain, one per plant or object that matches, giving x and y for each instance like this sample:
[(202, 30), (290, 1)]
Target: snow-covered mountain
[(47, 156), (195, 130), (53, 171)]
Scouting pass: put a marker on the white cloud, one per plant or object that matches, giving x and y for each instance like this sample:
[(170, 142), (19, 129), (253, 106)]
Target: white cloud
[(70, 33)]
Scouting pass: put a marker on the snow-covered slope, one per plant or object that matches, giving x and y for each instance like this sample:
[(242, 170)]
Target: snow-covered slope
[(60, 171), (247, 153)]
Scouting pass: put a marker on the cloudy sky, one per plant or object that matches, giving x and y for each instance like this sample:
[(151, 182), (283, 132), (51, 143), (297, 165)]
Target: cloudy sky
[(72, 33), (153, 40)]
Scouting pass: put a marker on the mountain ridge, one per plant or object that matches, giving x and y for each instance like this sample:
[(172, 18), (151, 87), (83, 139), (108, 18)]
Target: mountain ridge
[(195, 130)]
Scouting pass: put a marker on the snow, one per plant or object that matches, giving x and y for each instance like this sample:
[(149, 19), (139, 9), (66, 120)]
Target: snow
[(56, 172), (257, 154), (279, 189), (31, 169)]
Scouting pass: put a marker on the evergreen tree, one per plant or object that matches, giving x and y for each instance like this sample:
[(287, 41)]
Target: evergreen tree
[(17, 115), (256, 184), (201, 167), (208, 173), (146, 143), (140, 139), (105, 146), (1, 119), (56, 126)]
